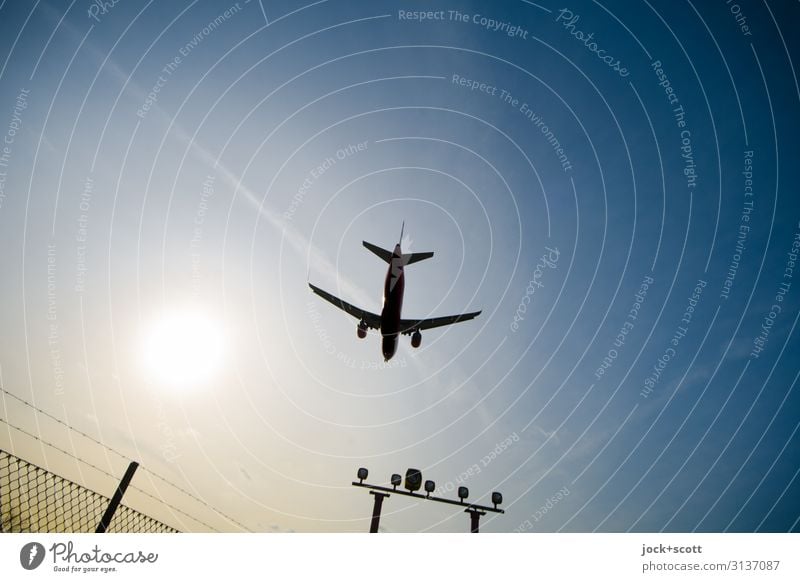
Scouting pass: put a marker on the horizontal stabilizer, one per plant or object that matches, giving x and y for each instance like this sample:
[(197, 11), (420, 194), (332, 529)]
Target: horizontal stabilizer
[(411, 258), (382, 253)]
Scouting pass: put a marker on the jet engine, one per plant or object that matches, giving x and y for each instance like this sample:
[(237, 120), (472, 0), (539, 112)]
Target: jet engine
[(362, 330), (416, 339)]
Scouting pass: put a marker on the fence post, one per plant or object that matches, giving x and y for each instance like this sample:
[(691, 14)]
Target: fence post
[(115, 501)]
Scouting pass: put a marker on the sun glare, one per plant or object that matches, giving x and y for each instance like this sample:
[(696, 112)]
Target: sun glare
[(183, 348)]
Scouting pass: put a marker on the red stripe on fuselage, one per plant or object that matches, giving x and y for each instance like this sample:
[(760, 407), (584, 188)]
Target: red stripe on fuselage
[(392, 298), (393, 289)]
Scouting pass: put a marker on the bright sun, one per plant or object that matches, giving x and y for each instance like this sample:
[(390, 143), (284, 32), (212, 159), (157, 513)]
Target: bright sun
[(183, 348)]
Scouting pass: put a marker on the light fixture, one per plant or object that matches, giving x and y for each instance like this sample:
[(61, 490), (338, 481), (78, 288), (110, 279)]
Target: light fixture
[(413, 479), (430, 486), (413, 484)]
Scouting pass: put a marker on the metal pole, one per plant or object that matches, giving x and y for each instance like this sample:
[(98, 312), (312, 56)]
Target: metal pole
[(376, 510), (475, 517), (115, 501)]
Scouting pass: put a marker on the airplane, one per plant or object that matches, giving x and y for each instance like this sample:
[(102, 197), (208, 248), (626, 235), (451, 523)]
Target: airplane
[(389, 321)]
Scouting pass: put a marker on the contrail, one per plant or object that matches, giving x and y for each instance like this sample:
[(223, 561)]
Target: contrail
[(298, 242)]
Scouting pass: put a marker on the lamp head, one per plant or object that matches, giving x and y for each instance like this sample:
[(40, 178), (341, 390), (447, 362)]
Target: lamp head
[(413, 479)]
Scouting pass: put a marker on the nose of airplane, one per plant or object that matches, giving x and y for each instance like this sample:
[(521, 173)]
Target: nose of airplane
[(389, 347)]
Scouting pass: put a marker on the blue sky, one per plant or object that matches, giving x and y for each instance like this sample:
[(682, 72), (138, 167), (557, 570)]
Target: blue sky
[(219, 156)]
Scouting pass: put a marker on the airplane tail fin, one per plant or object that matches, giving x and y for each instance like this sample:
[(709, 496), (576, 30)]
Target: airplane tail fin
[(382, 253), (410, 258)]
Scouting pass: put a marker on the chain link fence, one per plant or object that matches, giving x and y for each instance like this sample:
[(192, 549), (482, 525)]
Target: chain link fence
[(33, 499)]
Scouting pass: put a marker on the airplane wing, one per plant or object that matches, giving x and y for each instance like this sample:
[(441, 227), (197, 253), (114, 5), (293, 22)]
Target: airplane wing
[(409, 326), (372, 320)]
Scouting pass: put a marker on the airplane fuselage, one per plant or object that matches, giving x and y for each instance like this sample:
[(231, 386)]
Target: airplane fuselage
[(393, 289)]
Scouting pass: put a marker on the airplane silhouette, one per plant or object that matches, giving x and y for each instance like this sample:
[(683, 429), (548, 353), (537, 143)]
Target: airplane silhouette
[(389, 321)]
